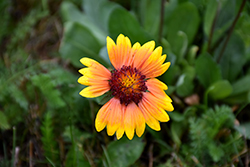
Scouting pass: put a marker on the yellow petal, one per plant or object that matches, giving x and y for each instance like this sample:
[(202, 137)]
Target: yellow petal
[(111, 129), (115, 116), (140, 122), (101, 117), (143, 54), (129, 122), (150, 120), (95, 65), (159, 71), (94, 91), (119, 133)]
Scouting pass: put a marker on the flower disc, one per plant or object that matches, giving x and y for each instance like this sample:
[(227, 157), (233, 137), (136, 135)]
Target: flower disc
[(127, 84)]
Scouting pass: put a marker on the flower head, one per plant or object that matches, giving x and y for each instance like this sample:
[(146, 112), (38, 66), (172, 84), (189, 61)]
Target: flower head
[(138, 97)]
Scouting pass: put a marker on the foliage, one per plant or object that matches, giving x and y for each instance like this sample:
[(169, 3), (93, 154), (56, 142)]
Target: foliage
[(41, 43)]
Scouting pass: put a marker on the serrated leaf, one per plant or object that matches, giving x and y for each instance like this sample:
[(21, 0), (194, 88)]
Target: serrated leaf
[(3, 121), (215, 152), (48, 139), (121, 21), (124, 152), (207, 70), (47, 87), (18, 96), (220, 90)]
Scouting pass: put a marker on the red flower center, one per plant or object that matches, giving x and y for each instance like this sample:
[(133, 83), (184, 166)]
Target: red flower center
[(127, 84)]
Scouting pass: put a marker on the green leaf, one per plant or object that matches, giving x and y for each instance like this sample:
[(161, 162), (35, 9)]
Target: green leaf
[(176, 131), (184, 18), (240, 86), (70, 13), (207, 70), (233, 58), (220, 90), (79, 136), (78, 41), (192, 53), (18, 95), (215, 152), (3, 121), (47, 87), (48, 138), (226, 13), (241, 92), (75, 157), (184, 86), (124, 152), (176, 116), (150, 15), (121, 21), (99, 12), (179, 45)]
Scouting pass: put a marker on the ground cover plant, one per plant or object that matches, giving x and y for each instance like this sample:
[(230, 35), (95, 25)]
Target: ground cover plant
[(45, 122)]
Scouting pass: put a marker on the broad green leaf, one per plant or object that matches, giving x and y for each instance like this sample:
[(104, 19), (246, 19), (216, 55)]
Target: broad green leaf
[(124, 152), (150, 16), (70, 13), (192, 53), (176, 116), (99, 12), (78, 42), (179, 45), (244, 129), (3, 121), (207, 70), (233, 58), (241, 91), (170, 76), (184, 18), (184, 86), (242, 28), (210, 14), (241, 85), (121, 21), (220, 89)]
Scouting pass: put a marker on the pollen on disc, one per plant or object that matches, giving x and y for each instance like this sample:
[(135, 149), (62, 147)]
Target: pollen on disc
[(127, 84)]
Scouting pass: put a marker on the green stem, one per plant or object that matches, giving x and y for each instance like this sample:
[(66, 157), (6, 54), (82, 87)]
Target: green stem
[(212, 29), (161, 20), (14, 147), (241, 108), (231, 30)]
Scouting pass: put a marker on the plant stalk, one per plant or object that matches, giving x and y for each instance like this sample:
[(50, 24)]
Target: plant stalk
[(231, 30)]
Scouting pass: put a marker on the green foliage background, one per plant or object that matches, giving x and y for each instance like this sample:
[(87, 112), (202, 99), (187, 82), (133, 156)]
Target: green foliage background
[(45, 122)]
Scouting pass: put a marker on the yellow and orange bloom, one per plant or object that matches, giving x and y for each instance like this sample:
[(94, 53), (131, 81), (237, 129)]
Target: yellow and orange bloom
[(138, 97)]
